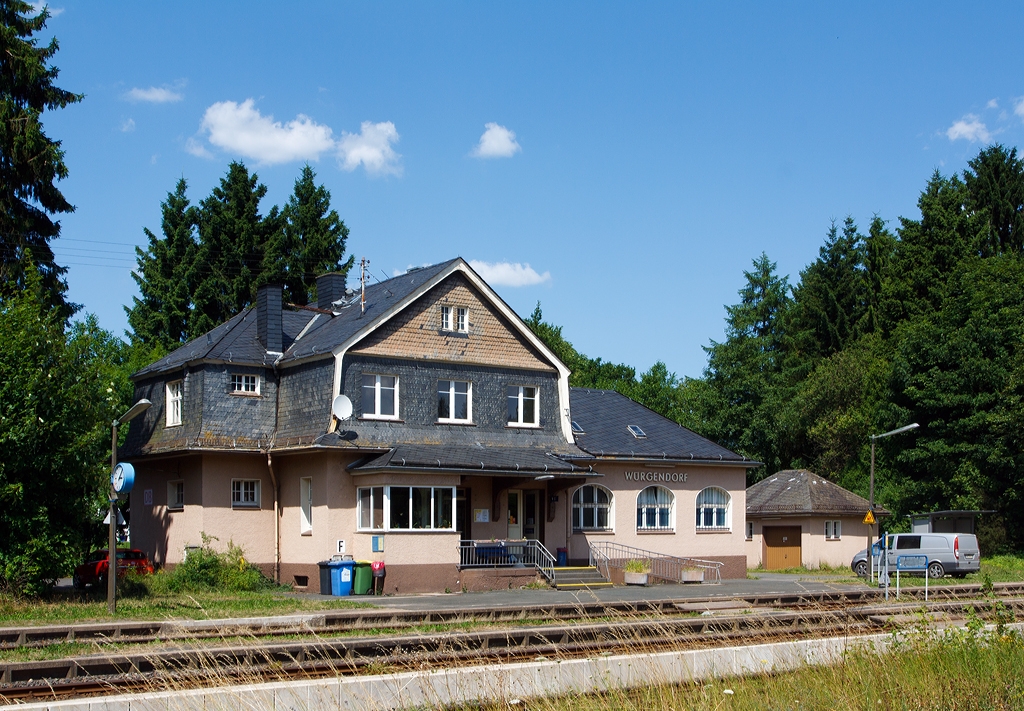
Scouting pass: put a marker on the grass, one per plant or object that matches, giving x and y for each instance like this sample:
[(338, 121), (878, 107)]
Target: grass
[(92, 607)]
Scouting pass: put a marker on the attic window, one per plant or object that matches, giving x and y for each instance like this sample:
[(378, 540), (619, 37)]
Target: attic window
[(636, 431), (242, 384), (576, 429)]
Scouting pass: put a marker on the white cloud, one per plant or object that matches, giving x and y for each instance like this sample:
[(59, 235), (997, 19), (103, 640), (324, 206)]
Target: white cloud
[(241, 129), (496, 142), (969, 128), (128, 126), (197, 149), (1018, 107), (154, 95), (509, 274), (371, 147), (992, 104)]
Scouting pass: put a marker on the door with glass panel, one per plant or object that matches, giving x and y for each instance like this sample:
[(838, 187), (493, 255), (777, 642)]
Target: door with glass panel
[(515, 514)]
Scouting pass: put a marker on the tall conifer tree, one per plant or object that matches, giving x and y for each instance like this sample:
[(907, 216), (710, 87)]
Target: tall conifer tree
[(30, 162)]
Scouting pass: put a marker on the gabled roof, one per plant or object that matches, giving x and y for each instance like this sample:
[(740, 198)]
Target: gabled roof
[(800, 492), (308, 334), (605, 416)]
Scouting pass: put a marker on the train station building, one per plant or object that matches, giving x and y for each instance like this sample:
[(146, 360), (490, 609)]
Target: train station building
[(418, 422)]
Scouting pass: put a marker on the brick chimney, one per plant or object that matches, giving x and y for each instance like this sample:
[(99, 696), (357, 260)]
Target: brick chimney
[(329, 288), (268, 317)]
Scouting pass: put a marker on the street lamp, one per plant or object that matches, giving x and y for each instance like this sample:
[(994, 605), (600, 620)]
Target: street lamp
[(136, 409), (871, 489)]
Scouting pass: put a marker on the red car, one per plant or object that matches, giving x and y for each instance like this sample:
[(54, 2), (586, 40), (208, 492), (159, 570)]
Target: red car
[(94, 570)]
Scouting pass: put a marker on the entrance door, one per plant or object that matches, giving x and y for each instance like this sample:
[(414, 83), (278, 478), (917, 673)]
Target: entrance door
[(515, 514), (463, 520), (781, 547), (531, 515)]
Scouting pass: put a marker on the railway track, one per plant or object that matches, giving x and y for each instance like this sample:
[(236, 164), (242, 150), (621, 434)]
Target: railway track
[(568, 632)]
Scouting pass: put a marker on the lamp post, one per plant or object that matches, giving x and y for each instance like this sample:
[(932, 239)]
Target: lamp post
[(136, 409), (871, 489)]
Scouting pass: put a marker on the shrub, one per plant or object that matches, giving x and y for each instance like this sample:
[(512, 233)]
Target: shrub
[(204, 569)]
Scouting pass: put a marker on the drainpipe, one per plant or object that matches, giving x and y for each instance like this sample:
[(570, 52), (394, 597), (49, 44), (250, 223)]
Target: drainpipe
[(277, 520)]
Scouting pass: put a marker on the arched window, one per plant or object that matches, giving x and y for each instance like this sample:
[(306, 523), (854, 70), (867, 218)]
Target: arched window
[(654, 509), (591, 508), (713, 509)]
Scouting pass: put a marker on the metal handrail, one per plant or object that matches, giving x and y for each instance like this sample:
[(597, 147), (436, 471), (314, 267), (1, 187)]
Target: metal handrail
[(666, 567), (501, 553)]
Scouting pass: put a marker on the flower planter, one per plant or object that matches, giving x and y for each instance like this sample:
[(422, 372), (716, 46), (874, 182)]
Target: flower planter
[(691, 576), (635, 578)]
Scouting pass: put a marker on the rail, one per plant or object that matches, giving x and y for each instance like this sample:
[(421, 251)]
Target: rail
[(666, 567), (522, 553)]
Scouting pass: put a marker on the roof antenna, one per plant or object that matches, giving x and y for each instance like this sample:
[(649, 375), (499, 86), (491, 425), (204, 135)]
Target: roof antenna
[(363, 264)]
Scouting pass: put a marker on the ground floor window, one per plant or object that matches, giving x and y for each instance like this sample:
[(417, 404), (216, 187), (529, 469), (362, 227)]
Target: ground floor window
[(833, 530), (591, 508), (402, 508), (245, 493), (713, 509), (654, 509)]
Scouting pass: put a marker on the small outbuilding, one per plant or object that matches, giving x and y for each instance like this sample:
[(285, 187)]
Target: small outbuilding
[(797, 518)]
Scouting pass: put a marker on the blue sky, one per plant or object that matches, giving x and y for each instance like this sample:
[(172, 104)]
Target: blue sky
[(620, 163)]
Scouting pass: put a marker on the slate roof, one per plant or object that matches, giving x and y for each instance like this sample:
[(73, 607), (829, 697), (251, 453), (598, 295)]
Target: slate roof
[(605, 414), (236, 340), (800, 492), (479, 460)]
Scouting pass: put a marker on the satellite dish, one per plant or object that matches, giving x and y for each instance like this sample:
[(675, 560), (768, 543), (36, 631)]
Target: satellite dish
[(342, 407)]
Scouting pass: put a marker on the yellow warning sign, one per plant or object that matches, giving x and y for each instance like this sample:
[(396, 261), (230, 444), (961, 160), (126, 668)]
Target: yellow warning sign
[(869, 518)]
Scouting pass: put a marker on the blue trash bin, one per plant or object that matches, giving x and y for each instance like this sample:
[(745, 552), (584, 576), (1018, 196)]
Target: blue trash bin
[(341, 576), (563, 557)]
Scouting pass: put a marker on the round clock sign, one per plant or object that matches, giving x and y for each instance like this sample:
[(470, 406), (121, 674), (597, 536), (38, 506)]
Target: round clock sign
[(123, 478)]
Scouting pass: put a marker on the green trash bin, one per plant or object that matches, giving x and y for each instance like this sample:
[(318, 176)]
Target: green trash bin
[(362, 583)]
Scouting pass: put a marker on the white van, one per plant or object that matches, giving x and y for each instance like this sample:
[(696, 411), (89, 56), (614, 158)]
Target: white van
[(954, 554)]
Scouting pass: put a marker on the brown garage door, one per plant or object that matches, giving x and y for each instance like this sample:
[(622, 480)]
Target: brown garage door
[(781, 547)]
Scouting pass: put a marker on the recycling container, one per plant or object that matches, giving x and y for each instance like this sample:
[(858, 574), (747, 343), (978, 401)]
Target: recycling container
[(362, 580), (563, 557), (325, 577), (341, 576)]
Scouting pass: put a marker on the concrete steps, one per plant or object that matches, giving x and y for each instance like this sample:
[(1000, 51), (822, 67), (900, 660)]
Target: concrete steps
[(576, 577)]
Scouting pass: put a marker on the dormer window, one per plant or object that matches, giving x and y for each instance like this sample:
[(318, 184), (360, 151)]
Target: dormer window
[(174, 397), (522, 406), (636, 431)]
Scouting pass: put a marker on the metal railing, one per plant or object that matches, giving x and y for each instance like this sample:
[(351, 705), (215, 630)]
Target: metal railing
[(605, 555), (522, 553)]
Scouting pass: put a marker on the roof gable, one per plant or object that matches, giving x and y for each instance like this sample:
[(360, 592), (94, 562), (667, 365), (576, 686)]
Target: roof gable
[(416, 332)]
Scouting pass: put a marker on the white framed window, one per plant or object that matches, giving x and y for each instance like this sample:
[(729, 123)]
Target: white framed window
[(306, 505), (245, 493), (454, 401), (654, 509), (371, 508), (455, 319), (833, 530), (750, 530), (713, 509), (592, 508), (380, 396), (245, 384), (407, 508), (176, 495), (522, 406), (174, 397)]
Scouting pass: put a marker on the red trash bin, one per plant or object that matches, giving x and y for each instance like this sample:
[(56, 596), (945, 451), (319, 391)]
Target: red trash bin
[(377, 570)]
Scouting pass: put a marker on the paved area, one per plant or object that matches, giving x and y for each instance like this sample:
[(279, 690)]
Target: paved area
[(757, 584)]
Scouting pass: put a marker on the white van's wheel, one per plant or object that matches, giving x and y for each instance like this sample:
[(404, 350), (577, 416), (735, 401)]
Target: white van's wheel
[(935, 570)]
